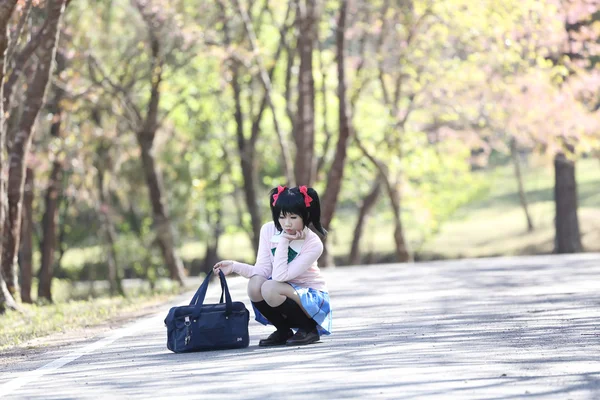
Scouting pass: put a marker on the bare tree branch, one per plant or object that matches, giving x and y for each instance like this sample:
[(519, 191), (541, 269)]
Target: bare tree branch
[(20, 59), (266, 81), (326, 131), (18, 31), (123, 94), (380, 42), (291, 57), (359, 84)]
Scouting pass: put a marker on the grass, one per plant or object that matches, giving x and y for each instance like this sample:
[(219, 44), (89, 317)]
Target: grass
[(67, 314), (497, 226)]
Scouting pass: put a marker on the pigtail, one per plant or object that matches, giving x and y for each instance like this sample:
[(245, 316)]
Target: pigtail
[(274, 209), (272, 192), (315, 211)]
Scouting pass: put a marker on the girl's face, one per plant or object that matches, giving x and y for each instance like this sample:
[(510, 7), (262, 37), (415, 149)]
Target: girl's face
[(291, 223)]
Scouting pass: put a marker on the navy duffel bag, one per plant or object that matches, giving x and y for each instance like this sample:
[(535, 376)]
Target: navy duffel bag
[(200, 327)]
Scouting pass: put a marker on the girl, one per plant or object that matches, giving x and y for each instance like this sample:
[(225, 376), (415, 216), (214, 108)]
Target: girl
[(286, 287)]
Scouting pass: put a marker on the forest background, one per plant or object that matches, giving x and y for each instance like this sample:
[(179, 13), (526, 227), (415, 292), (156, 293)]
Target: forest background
[(140, 138)]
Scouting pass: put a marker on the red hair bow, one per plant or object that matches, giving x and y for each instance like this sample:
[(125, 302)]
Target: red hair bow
[(276, 195), (307, 198)]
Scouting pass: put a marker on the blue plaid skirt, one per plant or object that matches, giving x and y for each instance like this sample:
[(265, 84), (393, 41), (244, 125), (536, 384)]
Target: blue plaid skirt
[(316, 304)]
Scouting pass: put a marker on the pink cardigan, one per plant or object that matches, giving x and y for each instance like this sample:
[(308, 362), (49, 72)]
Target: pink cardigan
[(302, 270)]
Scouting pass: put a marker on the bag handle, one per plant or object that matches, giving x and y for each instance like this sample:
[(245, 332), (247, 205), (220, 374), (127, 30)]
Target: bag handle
[(224, 287), (195, 298), (201, 289), (222, 291), (198, 298)]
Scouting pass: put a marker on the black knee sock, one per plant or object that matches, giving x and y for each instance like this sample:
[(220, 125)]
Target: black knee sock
[(296, 318), (272, 314)]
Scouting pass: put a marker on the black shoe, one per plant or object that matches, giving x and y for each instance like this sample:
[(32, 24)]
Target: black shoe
[(277, 338), (303, 337)]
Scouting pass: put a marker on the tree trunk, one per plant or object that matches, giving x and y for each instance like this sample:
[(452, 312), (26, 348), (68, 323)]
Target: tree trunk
[(366, 206), (6, 10), (53, 194), (336, 171), (162, 222), (250, 175), (26, 253), (522, 198), (103, 163), (12, 224), (114, 278), (212, 243), (6, 299), (49, 227), (567, 238), (109, 232), (245, 147), (145, 137), (326, 131), (248, 165), (402, 251), (289, 72), (19, 61), (34, 98), (304, 134), (61, 244)]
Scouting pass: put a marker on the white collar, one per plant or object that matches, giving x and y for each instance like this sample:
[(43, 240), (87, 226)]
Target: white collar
[(295, 245)]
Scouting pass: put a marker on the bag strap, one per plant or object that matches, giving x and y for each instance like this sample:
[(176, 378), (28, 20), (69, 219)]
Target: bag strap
[(222, 291), (201, 290), (198, 298), (225, 289)]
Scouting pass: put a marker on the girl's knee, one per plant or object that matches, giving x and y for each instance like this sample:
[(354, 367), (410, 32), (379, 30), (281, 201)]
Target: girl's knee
[(266, 288), (270, 291), (254, 288)]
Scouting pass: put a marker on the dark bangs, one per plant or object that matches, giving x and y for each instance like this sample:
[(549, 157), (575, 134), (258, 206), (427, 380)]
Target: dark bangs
[(289, 201)]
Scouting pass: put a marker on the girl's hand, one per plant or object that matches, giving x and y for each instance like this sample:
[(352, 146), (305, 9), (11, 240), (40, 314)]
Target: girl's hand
[(299, 235), (226, 266)]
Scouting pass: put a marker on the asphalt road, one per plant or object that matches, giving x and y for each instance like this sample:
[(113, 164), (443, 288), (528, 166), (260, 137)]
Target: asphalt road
[(506, 328)]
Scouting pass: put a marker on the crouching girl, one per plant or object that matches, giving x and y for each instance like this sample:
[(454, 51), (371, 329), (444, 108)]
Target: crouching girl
[(285, 285)]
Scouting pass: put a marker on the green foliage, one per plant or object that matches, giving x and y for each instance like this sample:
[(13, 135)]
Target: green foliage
[(441, 182)]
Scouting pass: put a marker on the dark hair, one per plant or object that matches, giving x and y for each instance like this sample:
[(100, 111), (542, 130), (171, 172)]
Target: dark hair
[(291, 200)]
